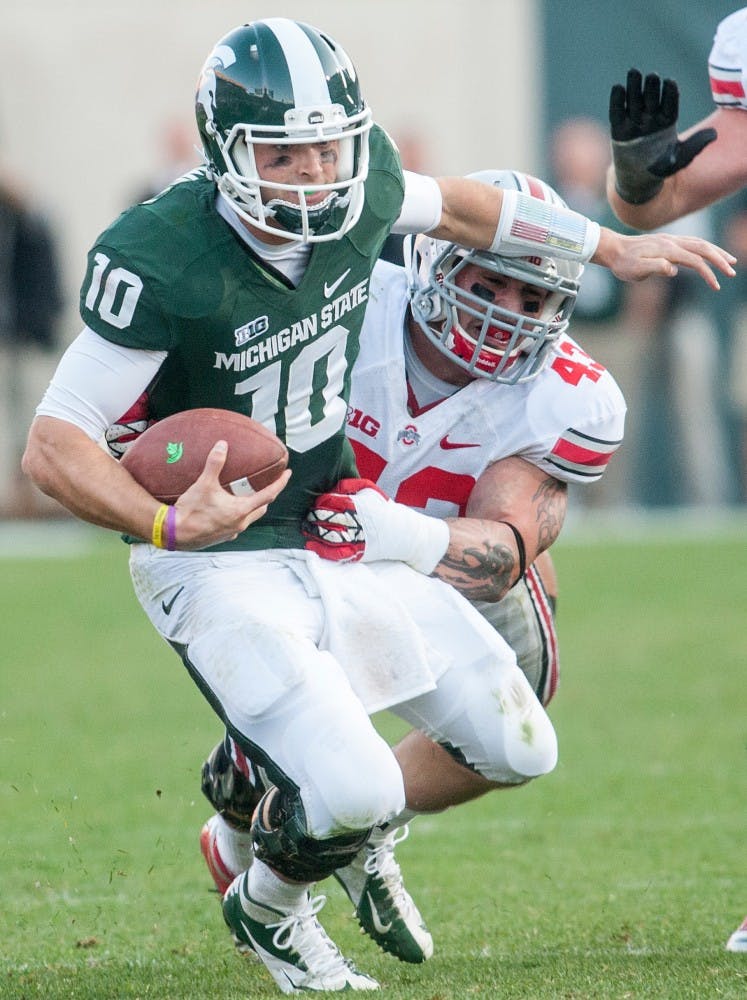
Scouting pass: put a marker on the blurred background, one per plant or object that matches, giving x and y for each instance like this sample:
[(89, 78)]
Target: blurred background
[(96, 111)]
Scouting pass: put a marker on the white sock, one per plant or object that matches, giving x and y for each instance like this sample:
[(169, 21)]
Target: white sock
[(234, 846), (266, 887)]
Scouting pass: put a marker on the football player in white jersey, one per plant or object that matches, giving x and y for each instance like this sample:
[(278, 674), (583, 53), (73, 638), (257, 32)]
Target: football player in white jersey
[(243, 286), (658, 176), (469, 402)]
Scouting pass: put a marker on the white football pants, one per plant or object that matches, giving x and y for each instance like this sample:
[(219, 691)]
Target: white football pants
[(294, 652)]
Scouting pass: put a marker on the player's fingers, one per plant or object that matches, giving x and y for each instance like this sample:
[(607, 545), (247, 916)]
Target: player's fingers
[(617, 111), (259, 501), (715, 255), (214, 462), (651, 94), (252, 502), (670, 101), (697, 264), (269, 493), (699, 256), (634, 94)]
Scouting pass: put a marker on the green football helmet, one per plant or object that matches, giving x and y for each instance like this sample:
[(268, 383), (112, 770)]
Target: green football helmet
[(282, 82)]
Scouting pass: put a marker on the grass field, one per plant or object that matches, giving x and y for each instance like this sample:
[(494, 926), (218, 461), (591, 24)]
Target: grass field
[(618, 876)]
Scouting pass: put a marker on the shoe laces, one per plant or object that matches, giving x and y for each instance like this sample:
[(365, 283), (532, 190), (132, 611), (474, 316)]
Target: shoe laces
[(382, 864), (302, 932)]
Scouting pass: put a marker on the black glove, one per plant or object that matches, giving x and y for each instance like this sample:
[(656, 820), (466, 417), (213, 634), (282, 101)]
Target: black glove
[(645, 147)]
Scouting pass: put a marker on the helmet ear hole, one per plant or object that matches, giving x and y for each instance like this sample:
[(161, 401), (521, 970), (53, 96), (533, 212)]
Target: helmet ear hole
[(345, 158), (242, 154)]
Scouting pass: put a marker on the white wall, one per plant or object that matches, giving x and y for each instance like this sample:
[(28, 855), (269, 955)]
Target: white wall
[(84, 87)]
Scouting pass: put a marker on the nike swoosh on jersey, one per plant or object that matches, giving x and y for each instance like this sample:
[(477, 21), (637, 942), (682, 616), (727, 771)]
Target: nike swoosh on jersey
[(168, 606), (446, 444), (332, 288), (376, 919)]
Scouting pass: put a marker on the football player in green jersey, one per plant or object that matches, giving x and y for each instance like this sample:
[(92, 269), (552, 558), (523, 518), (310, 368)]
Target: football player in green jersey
[(243, 286)]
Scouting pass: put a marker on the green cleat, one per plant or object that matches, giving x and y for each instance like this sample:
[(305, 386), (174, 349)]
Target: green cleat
[(384, 908)]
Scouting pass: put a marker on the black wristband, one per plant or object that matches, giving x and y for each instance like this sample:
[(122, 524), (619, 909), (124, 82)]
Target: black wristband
[(520, 547)]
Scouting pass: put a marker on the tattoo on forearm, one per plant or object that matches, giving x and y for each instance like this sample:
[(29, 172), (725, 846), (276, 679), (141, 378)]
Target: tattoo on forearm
[(550, 499), (480, 574)]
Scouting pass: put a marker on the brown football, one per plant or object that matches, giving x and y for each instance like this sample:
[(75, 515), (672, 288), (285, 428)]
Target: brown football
[(170, 455)]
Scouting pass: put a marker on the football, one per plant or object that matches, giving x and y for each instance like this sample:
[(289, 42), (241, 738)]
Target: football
[(170, 455)]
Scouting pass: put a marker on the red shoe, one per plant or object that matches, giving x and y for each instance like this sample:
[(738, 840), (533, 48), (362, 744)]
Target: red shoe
[(222, 874)]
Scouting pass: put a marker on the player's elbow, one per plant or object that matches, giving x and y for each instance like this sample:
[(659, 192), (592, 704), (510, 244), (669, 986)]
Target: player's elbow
[(34, 468), (38, 461)]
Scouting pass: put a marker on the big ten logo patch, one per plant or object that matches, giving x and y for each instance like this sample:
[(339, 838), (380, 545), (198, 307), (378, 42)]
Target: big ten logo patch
[(363, 422)]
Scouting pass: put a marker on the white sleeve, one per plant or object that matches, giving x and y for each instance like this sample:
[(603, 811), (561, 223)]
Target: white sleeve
[(727, 63), (422, 205), (97, 381)]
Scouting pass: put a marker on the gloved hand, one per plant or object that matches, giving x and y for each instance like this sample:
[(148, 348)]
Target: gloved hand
[(643, 125), (358, 522), (129, 427)]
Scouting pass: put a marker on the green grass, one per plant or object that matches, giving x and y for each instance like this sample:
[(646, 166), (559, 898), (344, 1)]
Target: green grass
[(618, 876)]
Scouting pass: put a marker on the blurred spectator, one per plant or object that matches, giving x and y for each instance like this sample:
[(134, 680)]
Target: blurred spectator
[(177, 144), (608, 314), (682, 450), (580, 156), (30, 306), (734, 238), (659, 340)]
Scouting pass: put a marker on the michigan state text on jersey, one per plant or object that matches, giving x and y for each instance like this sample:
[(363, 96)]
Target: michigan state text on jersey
[(171, 275)]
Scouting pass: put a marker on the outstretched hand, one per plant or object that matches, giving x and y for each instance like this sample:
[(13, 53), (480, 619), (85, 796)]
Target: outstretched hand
[(645, 146), (633, 258), (207, 514)]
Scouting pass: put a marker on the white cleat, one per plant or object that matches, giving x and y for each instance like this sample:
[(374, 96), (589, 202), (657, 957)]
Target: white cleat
[(294, 947)]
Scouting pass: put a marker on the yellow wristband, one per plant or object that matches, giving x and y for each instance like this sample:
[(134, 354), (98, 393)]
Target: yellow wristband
[(158, 522)]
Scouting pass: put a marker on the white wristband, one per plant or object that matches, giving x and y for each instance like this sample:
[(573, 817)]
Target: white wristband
[(530, 226), (394, 531)]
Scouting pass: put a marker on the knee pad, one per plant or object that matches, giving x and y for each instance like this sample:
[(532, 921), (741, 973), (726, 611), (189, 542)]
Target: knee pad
[(232, 793), (280, 839), (530, 742), (509, 746)]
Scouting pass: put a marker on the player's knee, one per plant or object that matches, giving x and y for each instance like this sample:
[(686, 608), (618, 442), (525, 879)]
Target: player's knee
[(375, 799), (530, 744), (535, 751), (358, 792), (281, 840), (518, 742)]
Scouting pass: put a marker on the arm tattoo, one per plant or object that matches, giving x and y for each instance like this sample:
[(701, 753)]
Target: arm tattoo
[(550, 500), (484, 570), (480, 574)]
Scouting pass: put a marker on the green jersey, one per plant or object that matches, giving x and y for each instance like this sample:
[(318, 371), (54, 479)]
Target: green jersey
[(172, 275)]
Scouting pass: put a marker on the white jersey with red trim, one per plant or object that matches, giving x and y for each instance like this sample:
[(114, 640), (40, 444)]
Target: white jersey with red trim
[(568, 420), (727, 63)]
